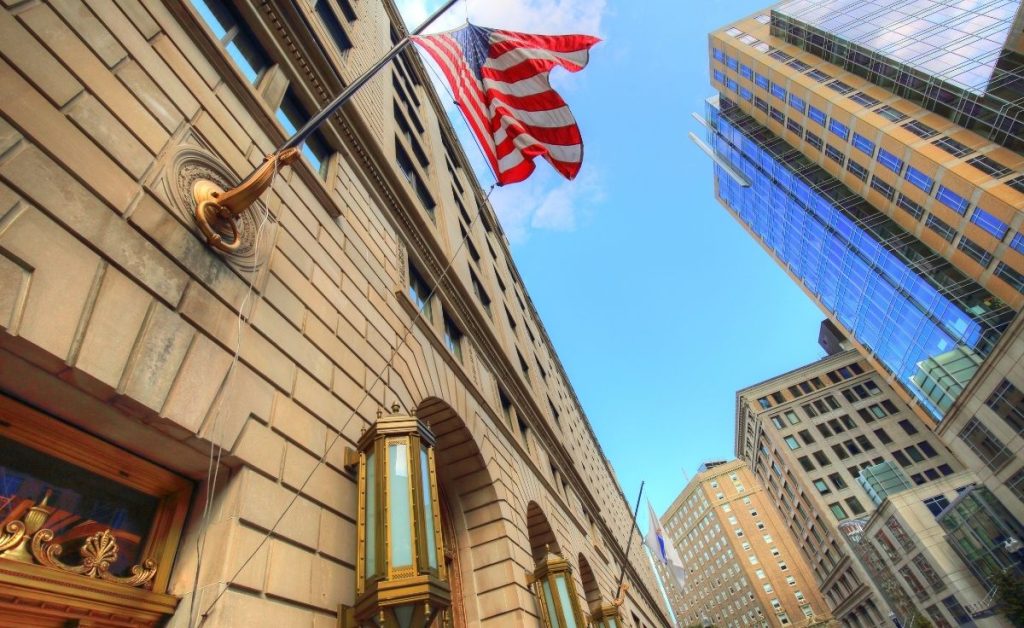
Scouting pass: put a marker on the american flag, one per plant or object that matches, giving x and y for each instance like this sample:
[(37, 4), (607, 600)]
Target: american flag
[(500, 82)]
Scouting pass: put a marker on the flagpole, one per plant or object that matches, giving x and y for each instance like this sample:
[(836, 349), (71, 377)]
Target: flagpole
[(307, 129), (629, 543), (216, 210)]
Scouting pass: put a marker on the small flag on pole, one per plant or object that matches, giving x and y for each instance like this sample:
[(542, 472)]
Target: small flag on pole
[(500, 82), (662, 548)]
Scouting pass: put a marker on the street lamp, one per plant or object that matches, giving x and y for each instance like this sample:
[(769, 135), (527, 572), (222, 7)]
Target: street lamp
[(400, 578), (556, 592)]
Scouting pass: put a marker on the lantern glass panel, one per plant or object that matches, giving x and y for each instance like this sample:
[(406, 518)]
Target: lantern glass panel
[(370, 550), (550, 601), (612, 623), (566, 600), (403, 614), (399, 511), (428, 508)]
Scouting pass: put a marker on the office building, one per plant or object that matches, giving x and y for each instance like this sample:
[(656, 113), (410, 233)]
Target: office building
[(822, 439), (375, 309), (744, 566), (881, 170), (907, 548)]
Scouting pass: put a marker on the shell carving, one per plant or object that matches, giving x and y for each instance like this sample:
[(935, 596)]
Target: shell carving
[(98, 552)]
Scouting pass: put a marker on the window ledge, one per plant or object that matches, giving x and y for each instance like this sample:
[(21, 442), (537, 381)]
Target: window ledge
[(48, 597)]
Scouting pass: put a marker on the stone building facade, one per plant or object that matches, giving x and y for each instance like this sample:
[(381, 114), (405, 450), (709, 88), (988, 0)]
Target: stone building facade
[(808, 434), (195, 393), (743, 563)]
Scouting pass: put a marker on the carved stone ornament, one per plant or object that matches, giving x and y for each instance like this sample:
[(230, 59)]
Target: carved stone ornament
[(11, 535), (191, 165), (99, 552)]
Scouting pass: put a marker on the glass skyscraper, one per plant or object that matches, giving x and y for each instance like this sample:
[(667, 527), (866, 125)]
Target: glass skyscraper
[(897, 298), (872, 148)]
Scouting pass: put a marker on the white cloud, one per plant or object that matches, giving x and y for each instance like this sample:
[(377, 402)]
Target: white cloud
[(546, 201), (530, 16)]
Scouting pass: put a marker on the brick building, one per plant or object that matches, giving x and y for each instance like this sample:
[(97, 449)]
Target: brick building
[(743, 563), (120, 396)]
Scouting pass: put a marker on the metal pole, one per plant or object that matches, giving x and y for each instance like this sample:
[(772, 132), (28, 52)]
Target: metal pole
[(629, 543), (314, 123)]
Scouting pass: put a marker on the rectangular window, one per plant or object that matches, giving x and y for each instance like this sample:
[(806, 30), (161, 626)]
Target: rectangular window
[(718, 54), (761, 81), (864, 145), (857, 170), (292, 115), (453, 337), (884, 188), (927, 448), (405, 166), (779, 92), (797, 103), (1016, 484), (419, 292), (795, 127), (333, 26), (838, 511), (481, 294), (839, 128), (997, 228), (1017, 243), (777, 115), (985, 445), (732, 85), (919, 179), (821, 459), (863, 99), (746, 72), (1007, 401), (746, 94), (989, 166), (920, 129), (890, 161), (1017, 183), (940, 227), (761, 104), (834, 154), (718, 75), (953, 147), (952, 200), (816, 114), (908, 427), (974, 251), (1010, 276), (840, 87), (732, 63), (818, 76), (792, 443), (798, 65), (893, 115), (816, 142), (780, 55), (235, 37), (883, 436), (909, 206)]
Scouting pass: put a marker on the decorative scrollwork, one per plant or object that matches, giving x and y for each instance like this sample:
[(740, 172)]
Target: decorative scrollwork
[(11, 535), (99, 552)]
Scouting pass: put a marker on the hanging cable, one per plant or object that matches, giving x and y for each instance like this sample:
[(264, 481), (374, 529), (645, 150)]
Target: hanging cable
[(216, 428), (340, 432)]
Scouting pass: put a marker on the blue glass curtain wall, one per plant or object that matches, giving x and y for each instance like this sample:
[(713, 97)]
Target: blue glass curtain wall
[(899, 299)]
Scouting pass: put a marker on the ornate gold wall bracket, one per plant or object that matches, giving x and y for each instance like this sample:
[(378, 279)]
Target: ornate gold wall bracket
[(12, 535), (99, 552), (217, 210)]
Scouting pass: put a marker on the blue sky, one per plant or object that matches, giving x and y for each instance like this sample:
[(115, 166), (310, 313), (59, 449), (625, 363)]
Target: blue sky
[(658, 303)]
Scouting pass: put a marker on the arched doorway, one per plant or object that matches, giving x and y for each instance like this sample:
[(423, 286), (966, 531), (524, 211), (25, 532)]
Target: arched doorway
[(466, 491), (591, 591)]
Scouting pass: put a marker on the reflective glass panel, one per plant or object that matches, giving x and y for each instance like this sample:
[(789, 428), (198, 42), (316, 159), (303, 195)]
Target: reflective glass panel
[(428, 509), (371, 515)]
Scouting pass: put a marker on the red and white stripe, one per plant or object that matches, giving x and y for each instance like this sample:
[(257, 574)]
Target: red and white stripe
[(513, 111)]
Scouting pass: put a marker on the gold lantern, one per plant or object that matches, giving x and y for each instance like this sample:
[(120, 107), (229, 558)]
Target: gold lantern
[(556, 592), (606, 616), (400, 572)]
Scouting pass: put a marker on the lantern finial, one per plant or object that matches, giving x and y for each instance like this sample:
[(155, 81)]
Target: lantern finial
[(395, 408)]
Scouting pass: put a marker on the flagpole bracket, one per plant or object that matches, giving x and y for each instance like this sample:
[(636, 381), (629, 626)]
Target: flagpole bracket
[(217, 210)]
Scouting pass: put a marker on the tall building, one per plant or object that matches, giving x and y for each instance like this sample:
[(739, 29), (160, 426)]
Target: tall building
[(823, 439), (744, 566), (230, 423), (872, 148)]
